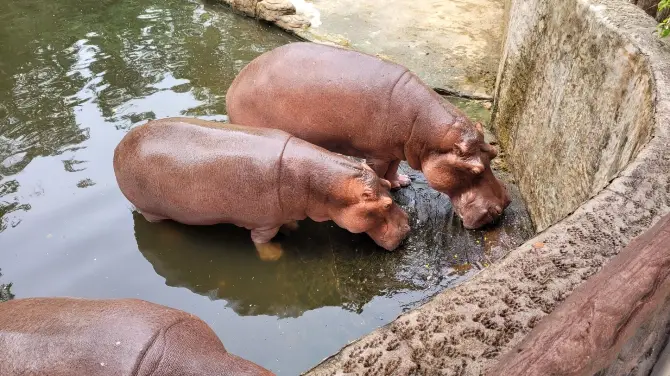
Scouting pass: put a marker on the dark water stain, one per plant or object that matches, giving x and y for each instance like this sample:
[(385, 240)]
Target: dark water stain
[(75, 76)]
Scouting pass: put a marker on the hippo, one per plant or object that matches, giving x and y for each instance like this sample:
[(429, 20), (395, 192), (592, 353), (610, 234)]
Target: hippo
[(121, 337), (359, 105), (200, 172)]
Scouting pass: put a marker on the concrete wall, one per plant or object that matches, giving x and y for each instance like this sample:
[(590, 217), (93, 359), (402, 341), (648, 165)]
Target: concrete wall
[(583, 97), (574, 105)]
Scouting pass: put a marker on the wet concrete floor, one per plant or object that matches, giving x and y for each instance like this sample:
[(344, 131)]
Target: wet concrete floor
[(450, 44)]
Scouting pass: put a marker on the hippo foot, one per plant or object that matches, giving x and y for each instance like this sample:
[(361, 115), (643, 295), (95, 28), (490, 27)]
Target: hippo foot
[(400, 181), (269, 251)]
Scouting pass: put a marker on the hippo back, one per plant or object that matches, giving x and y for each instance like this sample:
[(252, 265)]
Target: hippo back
[(345, 101), (202, 172), (69, 336)]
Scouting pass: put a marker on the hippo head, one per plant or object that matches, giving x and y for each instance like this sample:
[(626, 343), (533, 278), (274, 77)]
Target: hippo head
[(364, 204), (459, 165), (393, 229)]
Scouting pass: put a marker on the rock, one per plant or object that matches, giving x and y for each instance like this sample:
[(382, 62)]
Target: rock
[(247, 7), (292, 21), (272, 10), (280, 12)]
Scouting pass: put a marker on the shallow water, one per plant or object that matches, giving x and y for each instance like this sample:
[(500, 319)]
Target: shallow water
[(75, 76)]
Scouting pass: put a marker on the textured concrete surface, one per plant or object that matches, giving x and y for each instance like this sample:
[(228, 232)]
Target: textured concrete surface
[(463, 330), (588, 331), (452, 45)]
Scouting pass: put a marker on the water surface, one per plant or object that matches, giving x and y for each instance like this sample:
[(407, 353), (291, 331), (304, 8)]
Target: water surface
[(75, 76)]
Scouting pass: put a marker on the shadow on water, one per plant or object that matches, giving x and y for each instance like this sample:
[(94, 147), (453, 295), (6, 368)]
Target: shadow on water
[(75, 76)]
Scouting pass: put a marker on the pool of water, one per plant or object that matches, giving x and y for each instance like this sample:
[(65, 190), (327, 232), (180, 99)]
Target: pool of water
[(75, 76)]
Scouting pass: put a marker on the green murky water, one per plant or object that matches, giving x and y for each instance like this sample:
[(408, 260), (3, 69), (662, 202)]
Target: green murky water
[(75, 76)]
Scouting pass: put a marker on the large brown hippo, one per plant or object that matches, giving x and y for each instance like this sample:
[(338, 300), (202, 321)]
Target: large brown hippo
[(202, 172), (359, 105), (119, 337)]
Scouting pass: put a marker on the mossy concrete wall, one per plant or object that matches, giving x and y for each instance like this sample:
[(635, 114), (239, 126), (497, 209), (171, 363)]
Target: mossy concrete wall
[(574, 104), (583, 104)]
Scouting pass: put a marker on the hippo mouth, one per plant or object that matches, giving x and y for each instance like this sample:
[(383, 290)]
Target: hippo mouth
[(474, 218), (389, 238)]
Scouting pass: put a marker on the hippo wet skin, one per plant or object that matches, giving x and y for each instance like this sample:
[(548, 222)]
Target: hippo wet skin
[(200, 172), (115, 337), (358, 105)]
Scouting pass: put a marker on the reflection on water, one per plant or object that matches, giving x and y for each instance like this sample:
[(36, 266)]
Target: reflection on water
[(130, 59), (322, 265), (75, 76)]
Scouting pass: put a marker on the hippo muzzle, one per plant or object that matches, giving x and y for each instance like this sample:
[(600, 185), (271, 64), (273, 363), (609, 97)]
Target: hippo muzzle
[(483, 203), (393, 230)]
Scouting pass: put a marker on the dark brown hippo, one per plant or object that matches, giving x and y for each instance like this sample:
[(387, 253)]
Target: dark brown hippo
[(115, 337), (359, 105), (202, 172)]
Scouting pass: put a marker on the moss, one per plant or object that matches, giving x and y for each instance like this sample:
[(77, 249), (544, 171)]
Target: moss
[(5, 291)]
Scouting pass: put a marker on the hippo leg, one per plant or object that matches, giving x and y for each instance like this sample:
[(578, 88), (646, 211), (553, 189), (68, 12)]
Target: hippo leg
[(266, 250), (289, 226), (378, 166), (397, 180), (152, 217), (389, 171)]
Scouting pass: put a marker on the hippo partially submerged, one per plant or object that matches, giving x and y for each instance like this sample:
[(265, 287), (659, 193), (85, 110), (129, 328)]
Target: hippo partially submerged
[(119, 337), (359, 105), (202, 172)]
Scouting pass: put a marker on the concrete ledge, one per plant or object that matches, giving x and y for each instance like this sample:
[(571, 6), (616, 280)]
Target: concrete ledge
[(462, 331), (587, 332)]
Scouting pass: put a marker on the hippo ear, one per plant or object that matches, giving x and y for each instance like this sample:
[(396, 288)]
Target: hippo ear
[(473, 164), (490, 150), (479, 127), (385, 183), (476, 167), (459, 148)]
